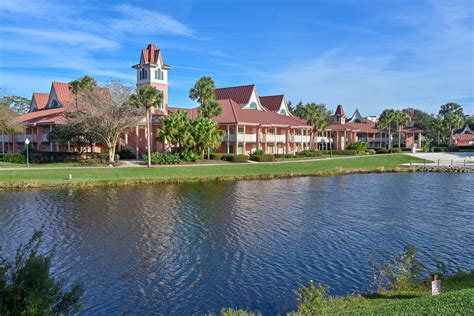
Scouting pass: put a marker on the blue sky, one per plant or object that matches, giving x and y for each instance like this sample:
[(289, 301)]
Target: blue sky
[(363, 54)]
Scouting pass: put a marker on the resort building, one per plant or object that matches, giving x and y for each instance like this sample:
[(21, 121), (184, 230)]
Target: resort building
[(364, 129), (464, 137), (249, 121)]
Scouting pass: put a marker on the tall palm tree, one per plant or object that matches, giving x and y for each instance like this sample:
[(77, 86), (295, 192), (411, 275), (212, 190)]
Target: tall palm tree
[(452, 115), (148, 97), (401, 119), (210, 109), (386, 121), (206, 134), (316, 115), (203, 90), (82, 84)]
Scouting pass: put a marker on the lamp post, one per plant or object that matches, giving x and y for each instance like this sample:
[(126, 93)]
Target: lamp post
[(27, 142)]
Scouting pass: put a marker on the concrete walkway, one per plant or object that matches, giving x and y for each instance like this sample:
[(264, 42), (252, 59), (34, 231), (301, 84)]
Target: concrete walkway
[(460, 159)]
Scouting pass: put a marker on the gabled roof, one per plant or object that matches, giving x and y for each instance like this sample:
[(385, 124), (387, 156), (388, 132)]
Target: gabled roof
[(62, 91), (192, 113), (340, 127), (150, 55), (340, 111), (357, 118), (41, 100), (240, 94), (272, 102)]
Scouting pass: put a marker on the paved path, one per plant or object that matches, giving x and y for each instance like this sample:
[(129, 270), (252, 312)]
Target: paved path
[(447, 159)]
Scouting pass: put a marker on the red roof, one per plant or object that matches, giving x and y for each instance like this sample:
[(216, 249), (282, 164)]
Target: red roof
[(272, 102), (63, 92), (41, 100), (339, 110), (232, 113), (240, 94), (463, 137), (48, 116), (150, 54), (368, 127), (339, 127)]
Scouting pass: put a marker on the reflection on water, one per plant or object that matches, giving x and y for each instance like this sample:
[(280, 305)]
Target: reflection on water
[(195, 248)]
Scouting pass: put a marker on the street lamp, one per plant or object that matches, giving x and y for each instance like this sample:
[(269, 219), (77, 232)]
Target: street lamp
[(27, 142)]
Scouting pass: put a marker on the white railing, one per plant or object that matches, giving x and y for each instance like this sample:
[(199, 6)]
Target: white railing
[(300, 138), (241, 138), (266, 138), (5, 138), (22, 138)]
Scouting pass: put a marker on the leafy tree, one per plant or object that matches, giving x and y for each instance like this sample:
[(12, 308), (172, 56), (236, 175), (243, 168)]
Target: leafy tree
[(105, 112), (8, 120), (317, 116), (75, 134), (203, 90), (453, 116), (210, 109), (86, 83), (469, 120), (148, 97), (17, 104), (299, 108), (401, 119), (27, 288), (386, 121), (177, 130), (206, 135)]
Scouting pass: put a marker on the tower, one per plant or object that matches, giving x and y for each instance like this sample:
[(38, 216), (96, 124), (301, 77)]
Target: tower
[(340, 116), (152, 71)]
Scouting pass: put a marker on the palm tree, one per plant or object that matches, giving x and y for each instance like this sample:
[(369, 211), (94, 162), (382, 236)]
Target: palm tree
[(148, 97), (316, 115), (452, 115), (386, 121), (210, 109), (203, 90), (177, 130), (401, 119), (206, 135), (81, 84)]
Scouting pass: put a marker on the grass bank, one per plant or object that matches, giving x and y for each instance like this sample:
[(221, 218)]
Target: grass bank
[(17, 179), (456, 299)]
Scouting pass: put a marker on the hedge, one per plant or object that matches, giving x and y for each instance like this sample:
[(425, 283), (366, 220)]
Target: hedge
[(163, 159), (235, 158), (126, 153), (47, 156), (397, 150), (14, 158), (262, 158), (90, 162), (309, 153), (284, 156), (346, 152), (382, 151)]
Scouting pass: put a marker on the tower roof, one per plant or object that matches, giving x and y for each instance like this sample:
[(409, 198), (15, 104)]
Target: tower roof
[(151, 55), (340, 111), (272, 102)]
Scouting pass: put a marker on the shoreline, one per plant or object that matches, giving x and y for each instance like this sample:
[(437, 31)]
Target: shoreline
[(115, 177)]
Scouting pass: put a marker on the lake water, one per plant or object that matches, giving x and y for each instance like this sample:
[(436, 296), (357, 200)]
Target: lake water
[(196, 248)]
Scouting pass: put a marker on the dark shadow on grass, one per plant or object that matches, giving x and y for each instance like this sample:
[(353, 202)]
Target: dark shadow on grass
[(395, 296)]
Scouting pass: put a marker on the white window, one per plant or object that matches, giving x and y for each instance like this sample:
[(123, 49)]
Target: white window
[(159, 74), (143, 74), (252, 105), (162, 105)]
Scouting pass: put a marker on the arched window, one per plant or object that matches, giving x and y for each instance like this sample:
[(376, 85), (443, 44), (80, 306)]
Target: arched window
[(252, 105)]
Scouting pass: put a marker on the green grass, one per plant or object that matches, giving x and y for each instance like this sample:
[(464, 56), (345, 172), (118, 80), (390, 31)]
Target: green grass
[(457, 298), (122, 176), (45, 165)]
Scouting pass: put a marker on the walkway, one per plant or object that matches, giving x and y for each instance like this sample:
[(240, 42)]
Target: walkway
[(460, 159)]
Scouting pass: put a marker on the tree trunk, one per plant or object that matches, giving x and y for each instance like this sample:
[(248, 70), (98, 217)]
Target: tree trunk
[(389, 139), (111, 153), (148, 110), (450, 137), (380, 140), (399, 136), (208, 153)]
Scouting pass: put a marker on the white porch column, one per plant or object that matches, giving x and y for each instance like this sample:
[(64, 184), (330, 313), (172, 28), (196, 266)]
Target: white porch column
[(137, 144), (237, 139), (419, 140), (227, 142), (50, 142)]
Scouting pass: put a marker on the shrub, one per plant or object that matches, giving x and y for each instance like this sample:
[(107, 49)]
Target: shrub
[(191, 155), (262, 158), (396, 150), (382, 151), (14, 158), (163, 159), (284, 156), (235, 158), (48, 157), (28, 288), (360, 147), (126, 153), (406, 149), (308, 153), (258, 152), (91, 162), (311, 299), (345, 152), (1, 157), (216, 156)]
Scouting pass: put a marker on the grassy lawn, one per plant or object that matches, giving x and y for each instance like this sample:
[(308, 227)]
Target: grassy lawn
[(45, 165), (122, 176), (308, 158)]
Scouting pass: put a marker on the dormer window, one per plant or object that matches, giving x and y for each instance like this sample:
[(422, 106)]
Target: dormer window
[(282, 112), (159, 74), (143, 74), (252, 105), (55, 104)]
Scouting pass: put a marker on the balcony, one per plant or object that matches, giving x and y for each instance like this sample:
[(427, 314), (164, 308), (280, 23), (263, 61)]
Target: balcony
[(5, 138), (241, 138), (267, 138), (300, 138), (22, 138)]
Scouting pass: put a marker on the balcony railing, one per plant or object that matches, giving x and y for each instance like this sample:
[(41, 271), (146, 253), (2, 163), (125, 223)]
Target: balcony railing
[(5, 138), (300, 138), (22, 138), (266, 138)]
